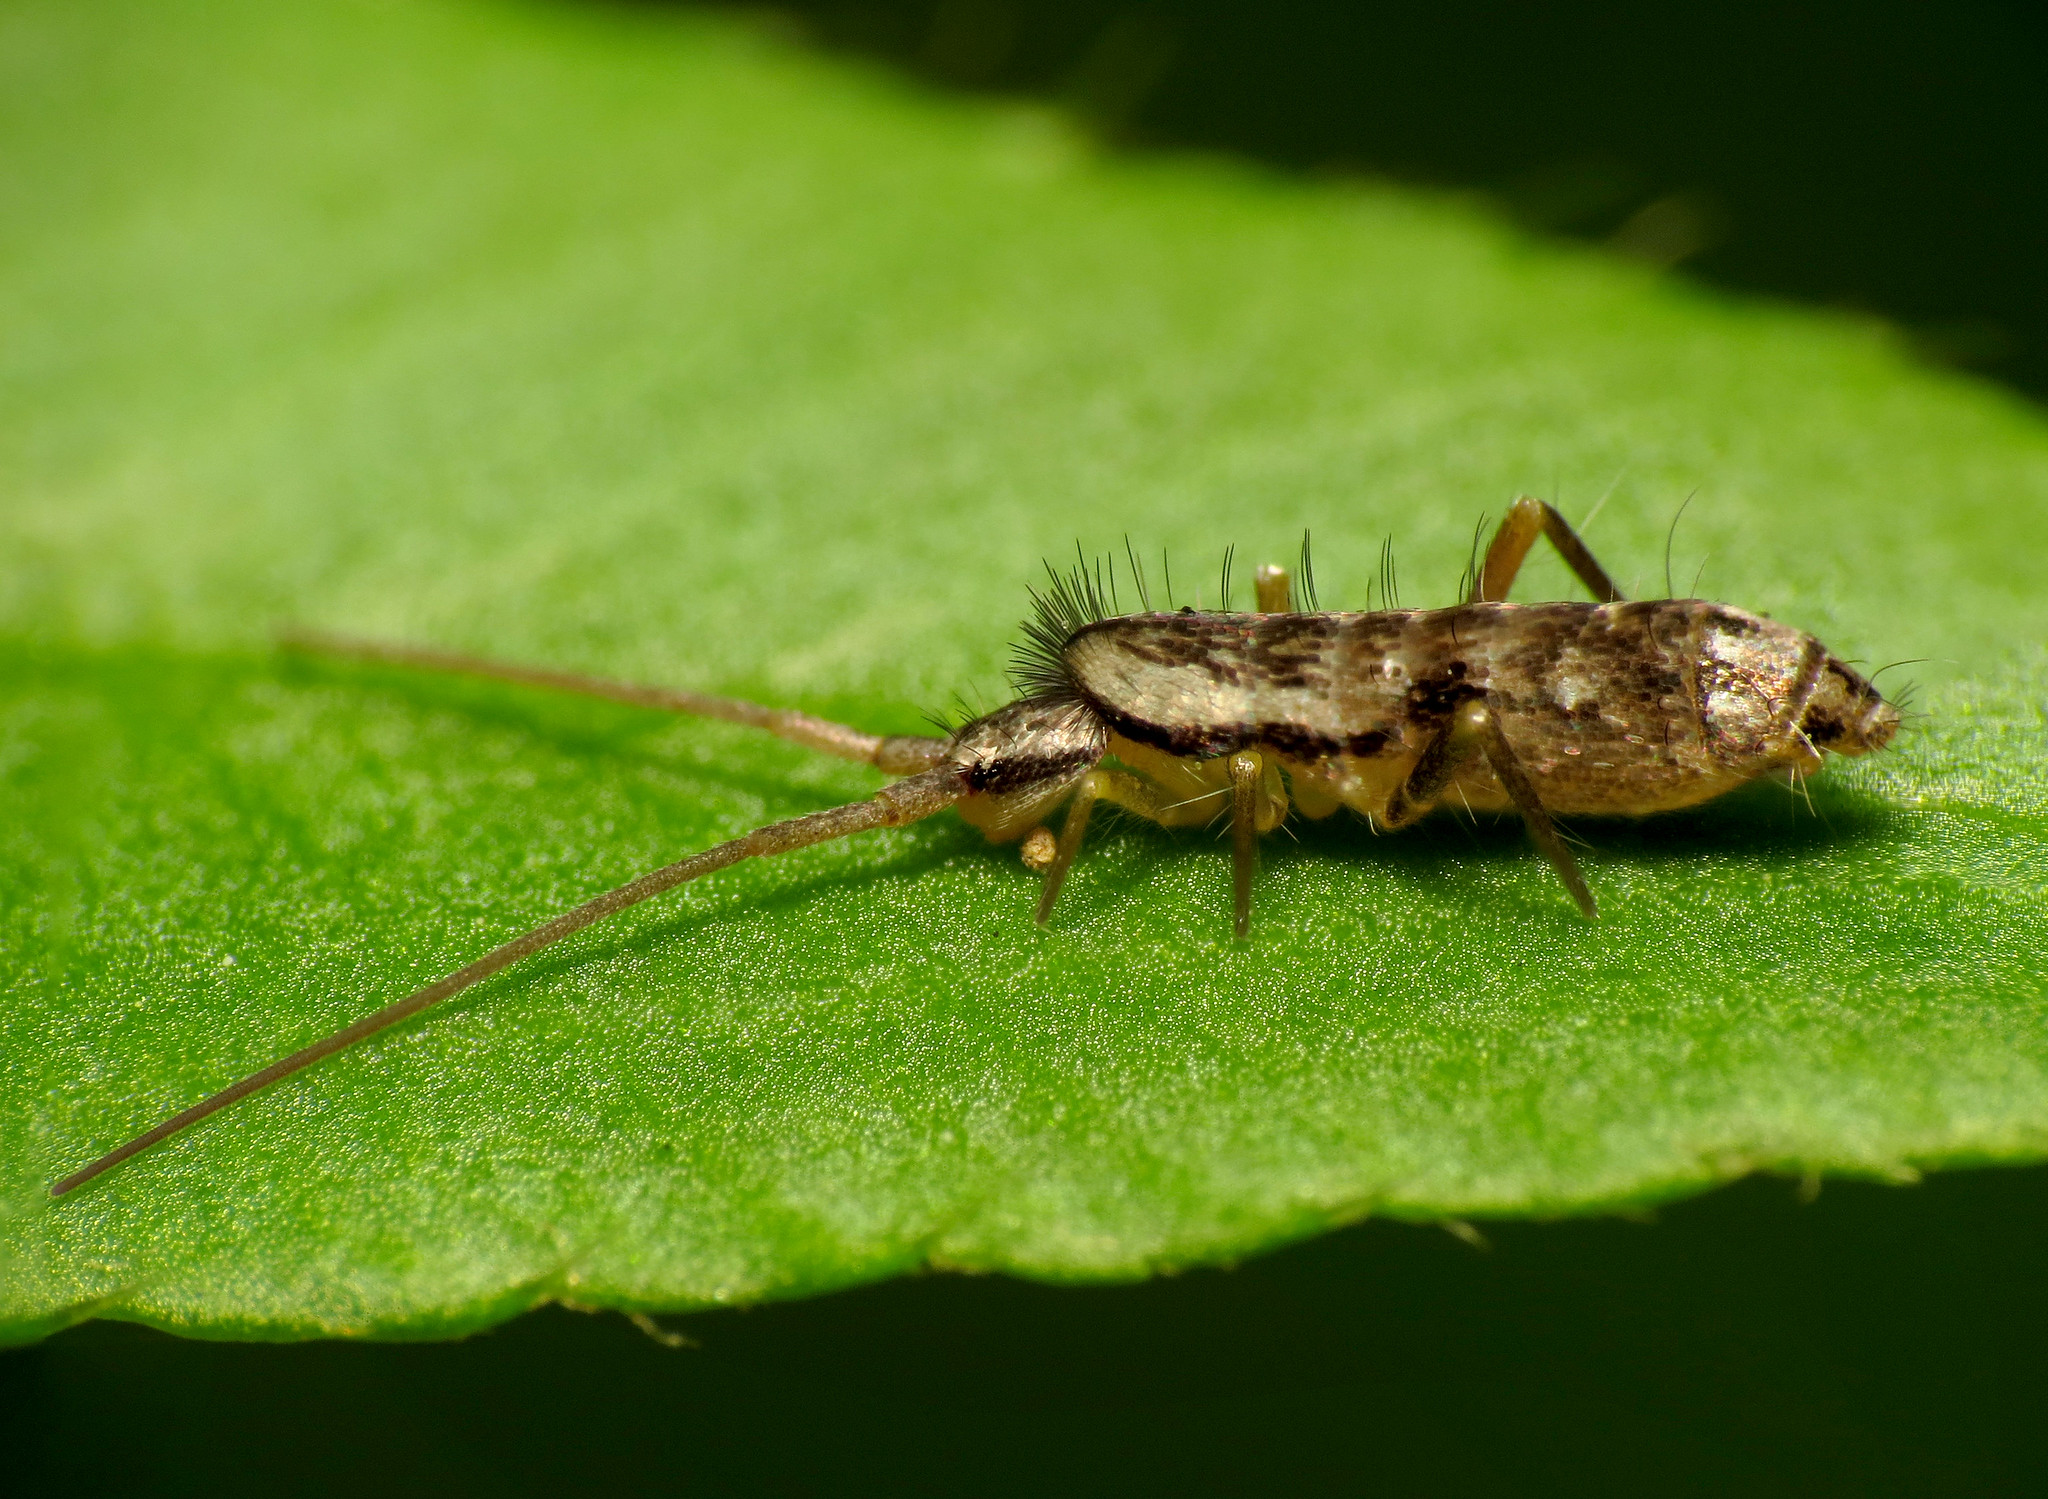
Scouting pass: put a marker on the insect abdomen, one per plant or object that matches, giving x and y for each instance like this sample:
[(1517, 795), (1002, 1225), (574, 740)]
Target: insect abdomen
[(1602, 700)]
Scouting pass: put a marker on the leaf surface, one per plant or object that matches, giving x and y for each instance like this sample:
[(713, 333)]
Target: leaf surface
[(649, 345)]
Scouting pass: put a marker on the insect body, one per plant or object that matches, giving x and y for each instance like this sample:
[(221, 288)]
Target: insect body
[(1608, 708), (1186, 718)]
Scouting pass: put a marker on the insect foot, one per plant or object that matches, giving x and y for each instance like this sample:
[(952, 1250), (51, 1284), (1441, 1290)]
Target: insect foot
[(1038, 849)]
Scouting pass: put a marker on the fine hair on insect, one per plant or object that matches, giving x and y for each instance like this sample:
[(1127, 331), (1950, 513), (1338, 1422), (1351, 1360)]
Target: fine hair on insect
[(1185, 716)]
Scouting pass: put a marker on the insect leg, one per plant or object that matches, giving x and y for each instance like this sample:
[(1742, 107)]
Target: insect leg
[(1453, 747), (1071, 832), (1526, 519), (1122, 789), (1507, 766), (1274, 588), (897, 754), (905, 801), (1475, 731), (1246, 772)]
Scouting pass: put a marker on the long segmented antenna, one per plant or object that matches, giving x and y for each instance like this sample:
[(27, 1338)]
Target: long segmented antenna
[(907, 801), (898, 754)]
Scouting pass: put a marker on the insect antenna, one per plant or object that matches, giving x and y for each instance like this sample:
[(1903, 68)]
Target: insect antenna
[(908, 800), (1308, 576), (1700, 572), (1137, 575), (1223, 592), (1166, 567), (1668, 537), (839, 739)]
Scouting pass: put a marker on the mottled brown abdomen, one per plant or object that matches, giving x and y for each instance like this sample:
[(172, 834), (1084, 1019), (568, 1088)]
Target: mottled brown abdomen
[(1629, 707)]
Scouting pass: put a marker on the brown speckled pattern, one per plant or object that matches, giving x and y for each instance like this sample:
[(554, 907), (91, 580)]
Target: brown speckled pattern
[(1614, 708)]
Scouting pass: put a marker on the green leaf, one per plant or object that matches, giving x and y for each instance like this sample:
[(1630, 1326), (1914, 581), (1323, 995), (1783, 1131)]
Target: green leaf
[(649, 345)]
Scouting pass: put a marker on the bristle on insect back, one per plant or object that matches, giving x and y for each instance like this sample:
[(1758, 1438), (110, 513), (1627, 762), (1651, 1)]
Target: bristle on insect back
[(1073, 600)]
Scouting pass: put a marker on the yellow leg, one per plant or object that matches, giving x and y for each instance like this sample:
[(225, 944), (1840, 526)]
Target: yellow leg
[(1256, 800), (1121, 788), (1246, 772), (1085, 796), (1475, 731), (1455, 746), (1169, 790), (1274, 589), (1522, 791), (1527, 519)]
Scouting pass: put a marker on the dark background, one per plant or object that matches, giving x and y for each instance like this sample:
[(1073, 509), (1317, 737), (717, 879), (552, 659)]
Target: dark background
[(1876, 1341), (1887, 158)]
